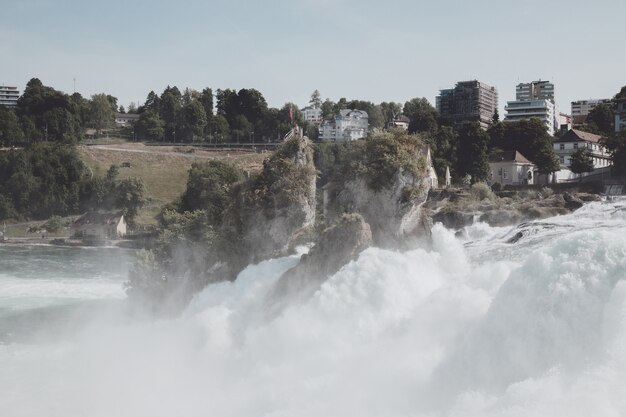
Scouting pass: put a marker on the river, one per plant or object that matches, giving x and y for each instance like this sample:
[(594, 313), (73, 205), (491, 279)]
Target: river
[(517, 321)]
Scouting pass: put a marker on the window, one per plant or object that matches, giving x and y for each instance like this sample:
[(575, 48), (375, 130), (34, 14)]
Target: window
[(562, 160), (562, 146), (575, 146), (504, 171)]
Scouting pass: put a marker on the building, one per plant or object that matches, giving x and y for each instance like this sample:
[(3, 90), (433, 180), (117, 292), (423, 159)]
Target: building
[(510, 168), (535, 90), (399, 122), (99, 226), (125, 119), (581, 108), (346, 126), (534, 100), (8, 96), (468, 101), (620, 114), (573, 140), (312, 115), (543, 110)]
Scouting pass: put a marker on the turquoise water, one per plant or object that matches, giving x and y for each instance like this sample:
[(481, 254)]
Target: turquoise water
[(40, 283)]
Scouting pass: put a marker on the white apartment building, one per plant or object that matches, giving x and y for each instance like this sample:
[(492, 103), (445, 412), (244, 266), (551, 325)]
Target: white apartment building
[(543, 110), (8, 96), (581, 108), (312, 115), (567, 144), (346, 126)]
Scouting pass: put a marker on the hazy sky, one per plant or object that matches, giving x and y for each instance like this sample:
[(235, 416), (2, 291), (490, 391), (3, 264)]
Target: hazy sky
[(389, 50)]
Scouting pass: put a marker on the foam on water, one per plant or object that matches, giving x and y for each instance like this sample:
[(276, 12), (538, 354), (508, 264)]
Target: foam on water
[(473, 327)]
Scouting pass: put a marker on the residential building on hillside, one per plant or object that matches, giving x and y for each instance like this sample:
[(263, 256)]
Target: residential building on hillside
[(510, 168), (620, 114), (126, 119), (399, 122), (575, 139), (535, 90), (312, 115), (581, 108), (8, 96), (468, 101), (346, 126), (543, 110)]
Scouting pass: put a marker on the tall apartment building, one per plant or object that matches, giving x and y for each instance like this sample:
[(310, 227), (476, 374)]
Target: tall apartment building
[(8, 96), (534, 100), (535, 90), (581, 108), (468, 101), (543, 110)]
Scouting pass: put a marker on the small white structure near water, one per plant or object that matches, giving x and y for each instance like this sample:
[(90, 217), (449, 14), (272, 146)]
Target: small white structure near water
[(99, 226), (510, 168)]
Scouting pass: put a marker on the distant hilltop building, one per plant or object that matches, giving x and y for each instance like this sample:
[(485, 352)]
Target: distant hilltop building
[(346, 126), (8, 96), (535, 90), (312, 115), (534, 100), (126, 119), (468, 101), (581, 108)]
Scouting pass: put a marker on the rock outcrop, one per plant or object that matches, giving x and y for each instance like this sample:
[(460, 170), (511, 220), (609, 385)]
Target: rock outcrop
[(334, 248), (273, 209)]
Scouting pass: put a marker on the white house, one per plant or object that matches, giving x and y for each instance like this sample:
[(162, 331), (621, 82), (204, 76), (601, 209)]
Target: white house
[(346, 126), (126, 119), (99, 226), (400, 122), (511, 168), (573, 140)]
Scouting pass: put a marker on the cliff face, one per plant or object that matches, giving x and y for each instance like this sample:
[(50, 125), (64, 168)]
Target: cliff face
[(270, 211), (388, 189), (394, 213)]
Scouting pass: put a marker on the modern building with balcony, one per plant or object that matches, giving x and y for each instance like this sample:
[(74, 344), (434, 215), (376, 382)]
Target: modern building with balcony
[(468, 101), (346, 126), (8, 96), (543, 110)]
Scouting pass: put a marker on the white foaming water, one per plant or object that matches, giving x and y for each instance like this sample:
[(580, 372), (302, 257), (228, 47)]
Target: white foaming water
[(475, 327)]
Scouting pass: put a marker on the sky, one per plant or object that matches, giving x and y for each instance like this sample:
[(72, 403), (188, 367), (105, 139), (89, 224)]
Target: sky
[(391, 50)]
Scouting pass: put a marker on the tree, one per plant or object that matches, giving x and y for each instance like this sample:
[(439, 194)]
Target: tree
[(208, 188), (101, 114), (129, 197), (496, 117), (328, 109), (422, 115), (530, 138), (206, 99), (193, 119), (11, 133), (220, 128), (472, 153), (616, 145), (316, 99), (601, 120), (581, 161), (150, 126)]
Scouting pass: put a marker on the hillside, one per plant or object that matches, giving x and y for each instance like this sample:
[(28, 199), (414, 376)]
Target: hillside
[(163, 169)]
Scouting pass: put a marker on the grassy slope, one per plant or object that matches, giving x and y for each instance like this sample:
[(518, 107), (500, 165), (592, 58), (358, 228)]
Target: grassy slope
[(162, 169)]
